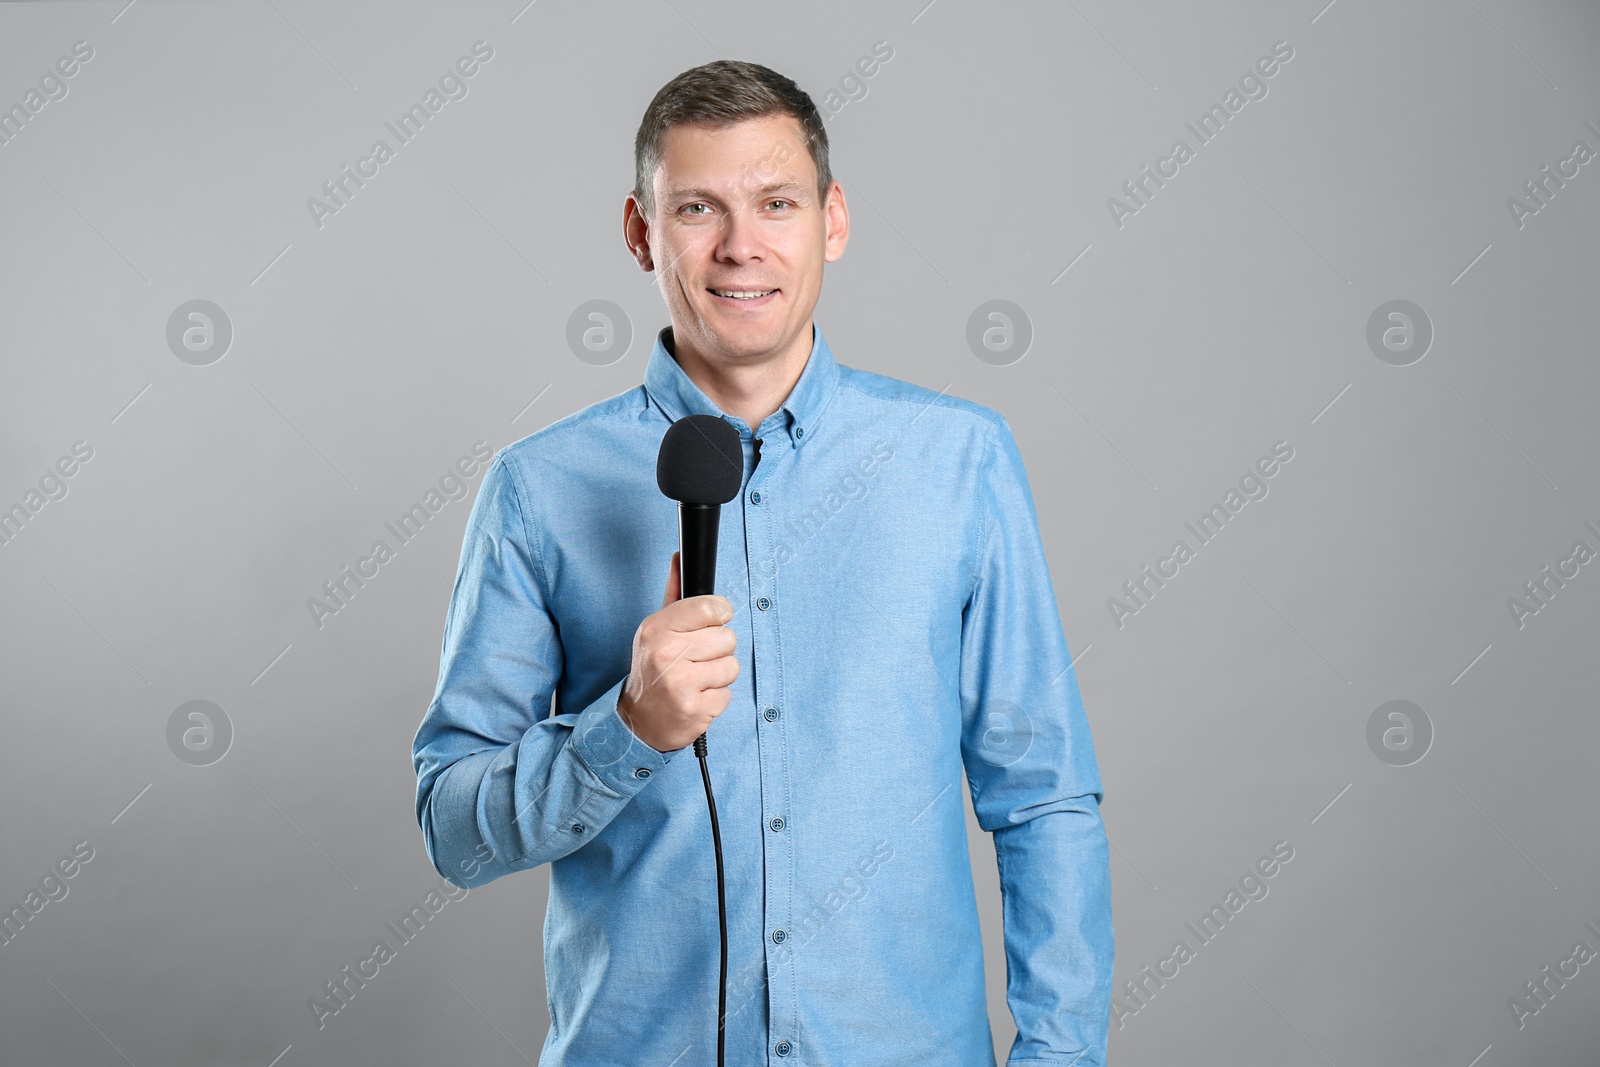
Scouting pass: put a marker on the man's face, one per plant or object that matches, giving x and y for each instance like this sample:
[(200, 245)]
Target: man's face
[(737, 210)]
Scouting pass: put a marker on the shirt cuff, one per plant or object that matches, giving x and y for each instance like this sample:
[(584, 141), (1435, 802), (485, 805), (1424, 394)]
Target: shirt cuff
[(610, 750)]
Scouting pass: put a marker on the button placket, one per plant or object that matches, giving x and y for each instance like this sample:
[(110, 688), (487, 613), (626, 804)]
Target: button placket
[(777, 846)]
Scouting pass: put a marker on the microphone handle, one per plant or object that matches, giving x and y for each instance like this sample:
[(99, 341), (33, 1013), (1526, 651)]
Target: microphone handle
[(697, 542), (697, 559)]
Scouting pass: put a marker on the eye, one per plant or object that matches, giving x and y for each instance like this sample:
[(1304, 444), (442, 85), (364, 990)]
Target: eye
[(781, 201), (686, 207)]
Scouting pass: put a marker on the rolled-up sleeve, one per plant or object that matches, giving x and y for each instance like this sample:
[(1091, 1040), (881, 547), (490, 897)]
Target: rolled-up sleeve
[(1035, 782), (502, 784)]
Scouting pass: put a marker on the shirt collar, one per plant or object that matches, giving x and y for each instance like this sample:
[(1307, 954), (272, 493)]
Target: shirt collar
[(677, 395)]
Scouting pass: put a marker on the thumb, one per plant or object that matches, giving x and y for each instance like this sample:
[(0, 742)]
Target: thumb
[(674, 582)]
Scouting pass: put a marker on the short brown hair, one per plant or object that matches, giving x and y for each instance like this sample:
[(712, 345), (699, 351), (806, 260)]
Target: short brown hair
[(721, 93)]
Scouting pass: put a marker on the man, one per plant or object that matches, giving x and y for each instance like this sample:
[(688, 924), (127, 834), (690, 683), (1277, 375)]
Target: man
[(888, 619)]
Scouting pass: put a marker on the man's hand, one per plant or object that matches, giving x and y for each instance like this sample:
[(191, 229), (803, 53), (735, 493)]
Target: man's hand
[(683, 664)]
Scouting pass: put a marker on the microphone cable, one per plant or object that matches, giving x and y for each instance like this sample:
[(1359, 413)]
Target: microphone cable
[(722, 899)]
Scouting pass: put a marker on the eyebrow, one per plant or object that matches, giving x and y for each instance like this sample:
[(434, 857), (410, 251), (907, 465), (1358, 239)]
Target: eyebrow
[(707, 194)]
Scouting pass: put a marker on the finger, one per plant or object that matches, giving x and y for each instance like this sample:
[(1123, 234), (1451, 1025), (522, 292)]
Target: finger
[(674, 582), (724, 673), (709, 645), (698, 612)]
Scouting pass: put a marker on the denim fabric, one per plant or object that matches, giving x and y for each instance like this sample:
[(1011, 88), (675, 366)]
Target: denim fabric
[(896, 623)]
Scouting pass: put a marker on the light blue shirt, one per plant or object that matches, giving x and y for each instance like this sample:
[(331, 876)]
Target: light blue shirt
[(896, 622)]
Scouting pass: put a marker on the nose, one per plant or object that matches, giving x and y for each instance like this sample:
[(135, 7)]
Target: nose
[(740, 240)]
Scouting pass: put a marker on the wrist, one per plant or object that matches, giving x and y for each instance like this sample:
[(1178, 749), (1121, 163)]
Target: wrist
[(625, 712)]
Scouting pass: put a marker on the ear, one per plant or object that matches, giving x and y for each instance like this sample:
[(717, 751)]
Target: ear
[(636, 233), (837, 214)]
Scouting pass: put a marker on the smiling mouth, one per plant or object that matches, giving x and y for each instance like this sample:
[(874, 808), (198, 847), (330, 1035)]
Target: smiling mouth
[(741, 294)]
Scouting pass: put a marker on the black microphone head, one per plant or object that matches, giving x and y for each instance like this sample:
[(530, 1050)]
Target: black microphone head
[(701, 461)]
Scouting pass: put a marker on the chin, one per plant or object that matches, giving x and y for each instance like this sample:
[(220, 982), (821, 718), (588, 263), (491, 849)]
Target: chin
[(747, 343)]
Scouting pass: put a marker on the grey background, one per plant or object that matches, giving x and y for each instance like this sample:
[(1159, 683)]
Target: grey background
[(1228, 314)]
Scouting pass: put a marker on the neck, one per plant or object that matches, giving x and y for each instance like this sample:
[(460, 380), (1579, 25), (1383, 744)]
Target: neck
[(752, 391)]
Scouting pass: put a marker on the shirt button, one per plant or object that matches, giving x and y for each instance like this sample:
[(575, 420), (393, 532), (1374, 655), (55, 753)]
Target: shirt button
[(755, 496), (771, 714), (776, 824), (782, 1048), (799, 431), (779, 936), (641, 772), (763, 603), (577, 827)]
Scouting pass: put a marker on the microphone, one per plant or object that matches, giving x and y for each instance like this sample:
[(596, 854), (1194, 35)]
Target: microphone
[(701, 466)]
